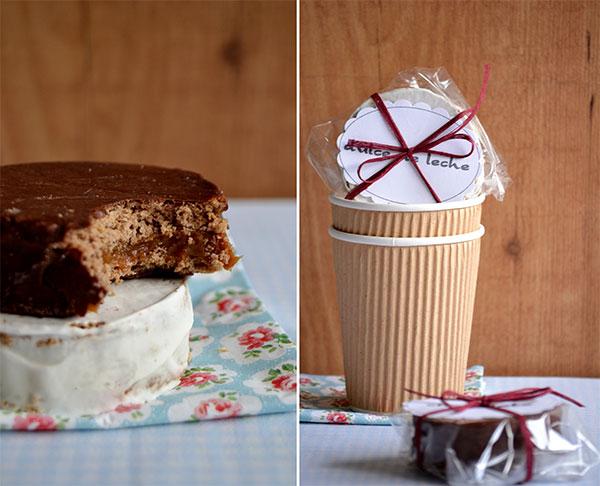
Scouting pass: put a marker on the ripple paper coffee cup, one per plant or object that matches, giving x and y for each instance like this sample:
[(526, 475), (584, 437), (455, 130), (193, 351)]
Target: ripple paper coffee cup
[(406, 307)]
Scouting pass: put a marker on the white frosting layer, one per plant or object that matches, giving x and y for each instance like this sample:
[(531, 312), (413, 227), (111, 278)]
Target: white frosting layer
[(132, 349)]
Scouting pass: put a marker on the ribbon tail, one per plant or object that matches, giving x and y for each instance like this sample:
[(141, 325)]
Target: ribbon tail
[(528, 442), (421, 394)]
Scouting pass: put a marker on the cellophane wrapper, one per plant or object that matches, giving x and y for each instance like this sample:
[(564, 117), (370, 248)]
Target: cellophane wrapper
[(322, 150), (495, 454)]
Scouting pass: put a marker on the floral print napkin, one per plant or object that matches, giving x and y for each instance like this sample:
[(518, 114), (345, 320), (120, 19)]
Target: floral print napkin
[(323, 399), (242, 363)]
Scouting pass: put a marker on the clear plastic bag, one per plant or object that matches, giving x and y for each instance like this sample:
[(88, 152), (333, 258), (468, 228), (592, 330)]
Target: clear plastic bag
[(439, 91), (491, 452)]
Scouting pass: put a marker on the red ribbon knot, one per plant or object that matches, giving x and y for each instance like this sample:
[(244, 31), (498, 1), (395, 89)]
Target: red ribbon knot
[(427, 146), (489, 401)]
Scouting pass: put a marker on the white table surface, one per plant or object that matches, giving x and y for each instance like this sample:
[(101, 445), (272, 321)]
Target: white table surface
[(367, 455), (251, 451)]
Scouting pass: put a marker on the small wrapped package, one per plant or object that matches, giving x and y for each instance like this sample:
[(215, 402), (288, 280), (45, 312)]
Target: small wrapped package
[(417, 141), (507, 438)]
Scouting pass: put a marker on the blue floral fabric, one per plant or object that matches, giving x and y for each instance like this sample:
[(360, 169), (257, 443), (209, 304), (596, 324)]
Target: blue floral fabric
[(242, 363), (323, 399)]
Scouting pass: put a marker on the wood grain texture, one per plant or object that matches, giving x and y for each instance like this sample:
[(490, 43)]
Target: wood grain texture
[(208, 86), (538, 303)]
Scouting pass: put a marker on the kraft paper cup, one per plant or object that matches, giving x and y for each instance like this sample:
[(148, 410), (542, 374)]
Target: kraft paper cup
[(406, 220), (406, 307)]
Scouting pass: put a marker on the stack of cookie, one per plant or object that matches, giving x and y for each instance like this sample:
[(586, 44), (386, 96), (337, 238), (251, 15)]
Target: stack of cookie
[(95, 310)]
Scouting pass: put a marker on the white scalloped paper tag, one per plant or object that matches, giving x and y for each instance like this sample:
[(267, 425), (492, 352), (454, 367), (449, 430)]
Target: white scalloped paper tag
[(453, 179)]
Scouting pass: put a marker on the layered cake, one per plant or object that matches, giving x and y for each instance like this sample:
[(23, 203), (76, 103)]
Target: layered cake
[(95, 309), (71, 229)]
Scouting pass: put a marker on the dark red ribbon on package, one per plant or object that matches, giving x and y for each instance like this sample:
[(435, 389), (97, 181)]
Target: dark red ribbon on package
[(426, 146), (489, 401)]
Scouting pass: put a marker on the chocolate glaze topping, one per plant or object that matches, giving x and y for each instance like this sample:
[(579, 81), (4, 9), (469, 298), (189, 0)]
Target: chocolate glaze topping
[(44, 274), (68, 194)]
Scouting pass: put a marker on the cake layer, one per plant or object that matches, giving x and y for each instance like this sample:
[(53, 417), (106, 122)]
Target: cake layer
[(70, 229), (132, 349)]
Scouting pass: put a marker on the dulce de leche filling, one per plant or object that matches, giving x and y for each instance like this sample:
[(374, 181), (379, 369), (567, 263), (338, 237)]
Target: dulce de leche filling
[(178, 254)]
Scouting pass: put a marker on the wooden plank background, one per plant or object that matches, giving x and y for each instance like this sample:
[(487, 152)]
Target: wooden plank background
[(538, 302), (208, 86)]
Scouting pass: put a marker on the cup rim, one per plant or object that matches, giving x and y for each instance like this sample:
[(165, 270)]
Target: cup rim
[(405, 241), (405, 208)]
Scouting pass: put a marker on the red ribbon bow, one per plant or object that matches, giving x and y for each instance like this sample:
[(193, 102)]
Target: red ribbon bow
[(426, 146), (489, 401)]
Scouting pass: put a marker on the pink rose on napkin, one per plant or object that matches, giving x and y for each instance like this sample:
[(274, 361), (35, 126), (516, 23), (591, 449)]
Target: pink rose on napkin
[(199, 378), (235, 304), (34, 421), (255, 338), (224, 407), (284, 382), (337, 418)]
